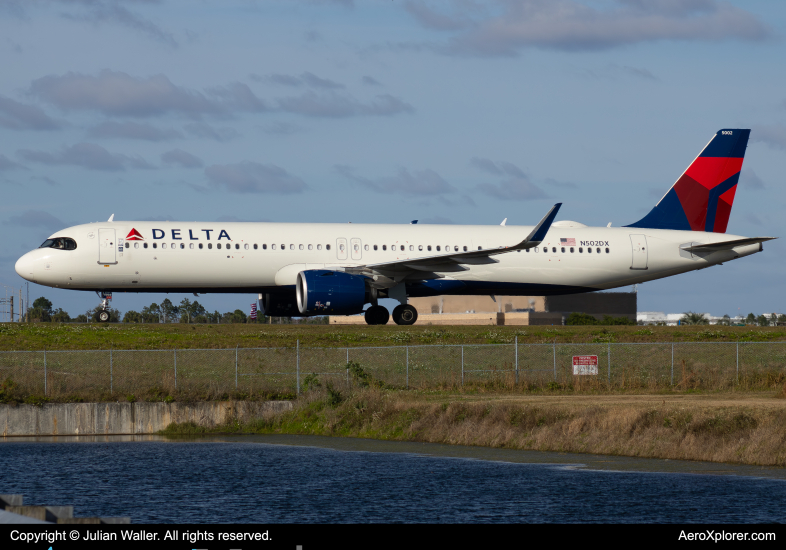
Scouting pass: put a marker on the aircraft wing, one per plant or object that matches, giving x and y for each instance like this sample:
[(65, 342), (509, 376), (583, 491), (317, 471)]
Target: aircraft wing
[(727, 245), (452, 261)]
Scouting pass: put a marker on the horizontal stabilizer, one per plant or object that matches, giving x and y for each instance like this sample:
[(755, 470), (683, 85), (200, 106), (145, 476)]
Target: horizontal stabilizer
[(727, 245)]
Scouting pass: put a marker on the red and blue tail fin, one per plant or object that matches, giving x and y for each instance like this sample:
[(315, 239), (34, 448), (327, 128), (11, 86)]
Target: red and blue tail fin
[(701, 199)]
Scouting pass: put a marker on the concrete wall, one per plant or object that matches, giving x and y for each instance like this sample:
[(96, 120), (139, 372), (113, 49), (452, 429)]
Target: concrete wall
[(498, 319), (127, 418), (478, 304)]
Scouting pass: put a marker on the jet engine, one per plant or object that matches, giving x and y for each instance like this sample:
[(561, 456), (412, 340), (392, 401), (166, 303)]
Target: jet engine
[(324, 292)]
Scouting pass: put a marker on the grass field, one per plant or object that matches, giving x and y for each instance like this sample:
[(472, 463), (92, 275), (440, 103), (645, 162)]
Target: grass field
[(53, 336)]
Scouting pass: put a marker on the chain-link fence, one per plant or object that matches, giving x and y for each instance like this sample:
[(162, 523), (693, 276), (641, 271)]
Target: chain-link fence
[(211, 372)]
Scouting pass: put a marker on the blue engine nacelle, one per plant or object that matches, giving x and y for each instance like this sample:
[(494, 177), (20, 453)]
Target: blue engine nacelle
[(324, 292)]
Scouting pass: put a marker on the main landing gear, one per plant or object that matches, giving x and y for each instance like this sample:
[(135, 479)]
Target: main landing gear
[(402, 315), (103, 315)]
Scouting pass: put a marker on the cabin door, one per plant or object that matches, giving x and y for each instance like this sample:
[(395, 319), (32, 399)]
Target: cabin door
[(639, 245), (106, 246)]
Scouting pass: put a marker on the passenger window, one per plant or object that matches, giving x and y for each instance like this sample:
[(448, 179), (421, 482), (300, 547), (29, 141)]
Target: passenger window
[(341, 247), (209, 246), (327, 247), (283, 247), (597, 250), (384, 247), (191, 246), (607, 251), (571, 250), (218, 246), (256, 246), (536, 249), (128, 245), (319, 247), (589, 250), (163, 245), (182, 246), (438, 249), (155, 245), (144, 245), (136, 245), (428, 248), (173, 246), (237, 246), (480, 248), (264, 247), (356, 247), (411, 247), (311, 247), (246, 246), (420, 248), (392, 246), (528, 250), (465, 249), (581, 250), (200, 246), (273, 247), (365, 247), (554, 249), (375, 247), (300, 247)]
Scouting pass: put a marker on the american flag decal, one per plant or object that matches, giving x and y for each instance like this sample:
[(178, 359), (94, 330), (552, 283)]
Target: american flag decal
[(568, 242)]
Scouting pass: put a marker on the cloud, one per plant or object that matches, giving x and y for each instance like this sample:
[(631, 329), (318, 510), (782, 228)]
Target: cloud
[(205, 131), (253, 177), (132, 130), (305, 79), (340, 105), (571, 25), (19, 116), (749, 180), (8, 164), (369, 81), (47, 180), (752, 219), (613, 71), (422, 182), (772, 135), (178, 156), (515, 185), (37, 218), (282, 128), (112, 12), (86, 155), (120, 94), (564, 184)]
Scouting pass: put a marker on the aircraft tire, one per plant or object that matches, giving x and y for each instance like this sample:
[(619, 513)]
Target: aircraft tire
[(377, 315), (103, 316), (405, 315)]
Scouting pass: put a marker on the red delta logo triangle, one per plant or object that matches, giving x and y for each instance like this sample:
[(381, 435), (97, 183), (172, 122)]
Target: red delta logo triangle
[(134, 235)]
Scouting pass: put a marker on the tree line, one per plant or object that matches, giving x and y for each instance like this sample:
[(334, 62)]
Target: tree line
[(187, 311)]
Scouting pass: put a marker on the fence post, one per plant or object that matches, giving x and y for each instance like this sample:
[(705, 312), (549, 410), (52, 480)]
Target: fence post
[(176, 369), (672, 363), (516, 343), (348, 384), (297, 367), (738, 362), (45, 392), (407, 367), (462, 365), (236, 346), (111, 375), (555, 360), (609, 363)]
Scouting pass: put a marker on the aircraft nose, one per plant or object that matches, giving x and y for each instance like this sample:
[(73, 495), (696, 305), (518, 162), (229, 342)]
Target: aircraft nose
[(24, 267)]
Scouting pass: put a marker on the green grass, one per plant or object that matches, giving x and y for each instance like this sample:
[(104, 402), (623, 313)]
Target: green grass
[(53, 336)]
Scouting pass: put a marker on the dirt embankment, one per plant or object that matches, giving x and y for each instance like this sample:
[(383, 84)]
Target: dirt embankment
[(732, 428)]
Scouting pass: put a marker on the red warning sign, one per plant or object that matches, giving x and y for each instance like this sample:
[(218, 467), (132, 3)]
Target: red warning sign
[(585, 365)]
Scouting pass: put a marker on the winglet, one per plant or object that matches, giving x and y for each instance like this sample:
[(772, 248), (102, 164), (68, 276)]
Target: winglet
[(504, 221), (538, 233)]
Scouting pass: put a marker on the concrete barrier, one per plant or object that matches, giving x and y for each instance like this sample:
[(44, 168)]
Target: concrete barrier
[(127, 418)]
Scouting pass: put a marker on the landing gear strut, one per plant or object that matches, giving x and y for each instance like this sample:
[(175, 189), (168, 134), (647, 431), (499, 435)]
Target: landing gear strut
[(405, 314), (377, 315), (103, 315)]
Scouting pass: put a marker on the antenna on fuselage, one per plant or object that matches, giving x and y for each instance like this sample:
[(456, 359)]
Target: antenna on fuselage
[(504, 221), (111, 218)]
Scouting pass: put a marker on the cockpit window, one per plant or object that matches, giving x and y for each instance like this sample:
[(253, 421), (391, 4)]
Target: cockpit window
[(62, 243)]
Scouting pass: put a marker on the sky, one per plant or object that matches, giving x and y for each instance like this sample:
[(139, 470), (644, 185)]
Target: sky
[(387, 111)]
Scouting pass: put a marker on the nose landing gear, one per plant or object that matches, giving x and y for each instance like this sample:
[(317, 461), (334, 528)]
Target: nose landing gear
[(103, 315)]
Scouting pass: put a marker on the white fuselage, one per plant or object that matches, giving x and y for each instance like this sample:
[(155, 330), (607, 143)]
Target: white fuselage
[(255, 257)]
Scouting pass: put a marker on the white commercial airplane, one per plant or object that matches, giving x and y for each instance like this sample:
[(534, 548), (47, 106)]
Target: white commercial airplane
[(302, 269)]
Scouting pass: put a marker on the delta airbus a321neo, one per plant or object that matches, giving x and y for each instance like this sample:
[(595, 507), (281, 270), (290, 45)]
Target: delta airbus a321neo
[(303, 269)]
